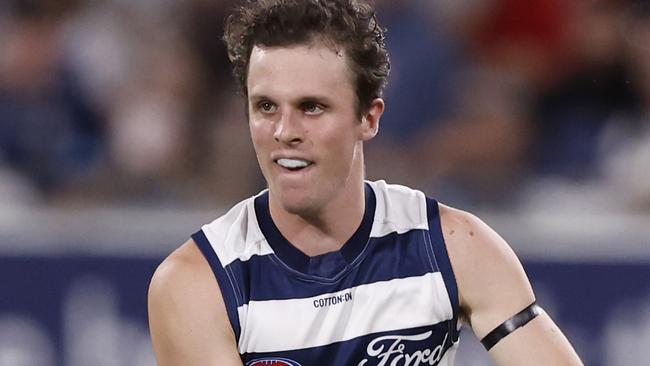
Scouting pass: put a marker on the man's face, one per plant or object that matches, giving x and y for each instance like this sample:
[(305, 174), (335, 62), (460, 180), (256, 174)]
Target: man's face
[(304, 124)]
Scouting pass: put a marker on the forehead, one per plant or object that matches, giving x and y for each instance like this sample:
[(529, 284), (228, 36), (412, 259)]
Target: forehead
[(299, 70)]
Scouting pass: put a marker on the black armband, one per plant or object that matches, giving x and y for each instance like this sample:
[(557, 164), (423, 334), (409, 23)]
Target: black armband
[(519, 320)]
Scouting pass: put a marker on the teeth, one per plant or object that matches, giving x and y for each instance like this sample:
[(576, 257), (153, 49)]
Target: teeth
[(292, 163)]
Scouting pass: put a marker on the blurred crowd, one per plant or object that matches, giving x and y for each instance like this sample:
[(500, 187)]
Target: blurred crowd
[(491, 103)]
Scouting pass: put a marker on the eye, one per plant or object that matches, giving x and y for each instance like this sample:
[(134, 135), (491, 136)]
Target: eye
[(266, 106), (312, 108)]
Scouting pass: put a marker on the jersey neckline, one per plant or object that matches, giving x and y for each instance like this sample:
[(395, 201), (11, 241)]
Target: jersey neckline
[(328, 265)]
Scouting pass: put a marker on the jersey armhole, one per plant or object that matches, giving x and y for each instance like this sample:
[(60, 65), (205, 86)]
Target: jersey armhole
[(444, 264), (228, 292)]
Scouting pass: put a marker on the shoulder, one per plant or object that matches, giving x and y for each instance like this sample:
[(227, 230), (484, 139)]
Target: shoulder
[(467, 235), (184, 266), (184, 285), (187, 316), (492, 284)]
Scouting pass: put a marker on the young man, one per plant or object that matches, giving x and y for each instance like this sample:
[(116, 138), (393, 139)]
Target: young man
[(324, 268)]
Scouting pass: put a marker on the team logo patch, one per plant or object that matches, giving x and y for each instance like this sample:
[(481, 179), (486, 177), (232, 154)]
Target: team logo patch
[(272, 362)]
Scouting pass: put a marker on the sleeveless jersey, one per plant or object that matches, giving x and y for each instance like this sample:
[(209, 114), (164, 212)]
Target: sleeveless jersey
[(387, 297)]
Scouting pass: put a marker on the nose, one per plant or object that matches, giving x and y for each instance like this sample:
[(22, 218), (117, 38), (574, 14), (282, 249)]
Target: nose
[(289, 129)]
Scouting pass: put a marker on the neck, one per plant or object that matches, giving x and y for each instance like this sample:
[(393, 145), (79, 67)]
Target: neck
[(329, 227)]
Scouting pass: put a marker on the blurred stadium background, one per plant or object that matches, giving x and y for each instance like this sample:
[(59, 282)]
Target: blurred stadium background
[(121, 133)]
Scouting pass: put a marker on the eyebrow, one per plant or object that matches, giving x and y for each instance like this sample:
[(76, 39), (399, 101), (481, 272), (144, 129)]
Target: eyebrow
[(306, 98), (315, 97), (257, 97)]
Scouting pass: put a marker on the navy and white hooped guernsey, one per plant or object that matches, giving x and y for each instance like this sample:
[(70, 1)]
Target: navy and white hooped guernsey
[(388, 297)]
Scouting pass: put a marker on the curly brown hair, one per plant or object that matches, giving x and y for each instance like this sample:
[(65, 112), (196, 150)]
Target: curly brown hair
[(348, 24)]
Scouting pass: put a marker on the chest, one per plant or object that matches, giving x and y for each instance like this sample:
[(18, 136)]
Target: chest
[(391, 308)]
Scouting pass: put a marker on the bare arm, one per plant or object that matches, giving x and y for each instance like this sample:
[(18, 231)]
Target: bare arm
[(493, 287), (187, 316)]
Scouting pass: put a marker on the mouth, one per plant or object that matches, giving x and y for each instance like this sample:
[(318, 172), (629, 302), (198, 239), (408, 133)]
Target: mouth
[(293, 165)]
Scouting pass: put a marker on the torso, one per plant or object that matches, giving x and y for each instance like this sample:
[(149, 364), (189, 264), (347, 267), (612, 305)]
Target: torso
[(388, 297)]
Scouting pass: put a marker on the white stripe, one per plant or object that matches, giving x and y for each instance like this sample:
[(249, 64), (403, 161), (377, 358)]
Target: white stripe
[(236, 235), (399, 209), (281, 325)]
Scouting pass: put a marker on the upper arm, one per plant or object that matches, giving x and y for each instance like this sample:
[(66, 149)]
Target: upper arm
[(187, 316), (493, 287)]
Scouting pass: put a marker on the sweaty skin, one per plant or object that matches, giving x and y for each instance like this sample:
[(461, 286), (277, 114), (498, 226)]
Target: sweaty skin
[(302, 105), (493, 287)]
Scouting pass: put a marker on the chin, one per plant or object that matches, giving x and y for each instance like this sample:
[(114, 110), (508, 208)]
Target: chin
[(298, 202), (300, 207)]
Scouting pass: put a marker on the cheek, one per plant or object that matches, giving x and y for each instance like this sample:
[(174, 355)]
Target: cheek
[(260, 147), (341, 147), (258, 134)]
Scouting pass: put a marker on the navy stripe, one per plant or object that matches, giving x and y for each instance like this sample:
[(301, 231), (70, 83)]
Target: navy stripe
[(328, 265), (225, 280), (442, 258), (353, 351), (386, 258)]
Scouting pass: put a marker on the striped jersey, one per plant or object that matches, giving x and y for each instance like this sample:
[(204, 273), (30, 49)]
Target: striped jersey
[(387, 297)]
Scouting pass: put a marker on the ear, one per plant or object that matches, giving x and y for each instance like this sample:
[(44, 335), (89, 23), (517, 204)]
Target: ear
[(370, 120)]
